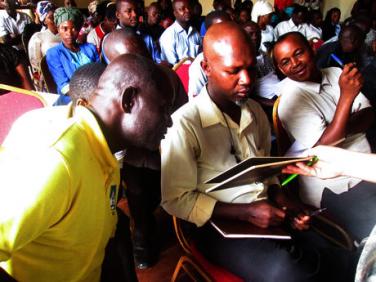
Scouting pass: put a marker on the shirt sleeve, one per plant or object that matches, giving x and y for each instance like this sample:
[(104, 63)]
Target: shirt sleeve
[(167, 44), (180, 196), (304, 122), (3, 29), (34, 196), (57, 70)]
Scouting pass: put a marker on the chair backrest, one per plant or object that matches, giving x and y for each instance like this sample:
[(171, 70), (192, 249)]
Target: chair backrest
[(47, 77), (182, 70), (207, 270), (13, 104), (283, 139)]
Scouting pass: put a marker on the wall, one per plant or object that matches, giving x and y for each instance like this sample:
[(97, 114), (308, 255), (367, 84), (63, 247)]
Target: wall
[(344, 5)]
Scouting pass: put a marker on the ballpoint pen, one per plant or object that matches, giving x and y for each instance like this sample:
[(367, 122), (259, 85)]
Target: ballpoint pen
[(338, 60), (316, 212), (292, 176)]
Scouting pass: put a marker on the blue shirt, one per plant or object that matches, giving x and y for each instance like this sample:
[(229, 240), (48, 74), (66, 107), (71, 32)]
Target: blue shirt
[(177, 44)]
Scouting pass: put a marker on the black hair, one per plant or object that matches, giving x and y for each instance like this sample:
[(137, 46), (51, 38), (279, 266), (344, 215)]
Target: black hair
[(84, 81), (214, 15)]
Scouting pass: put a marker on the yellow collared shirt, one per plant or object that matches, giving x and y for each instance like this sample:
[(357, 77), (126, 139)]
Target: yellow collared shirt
[(58, 196)]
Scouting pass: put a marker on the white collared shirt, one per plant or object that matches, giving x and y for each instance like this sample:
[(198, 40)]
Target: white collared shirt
[(306, 109), (197, 77), (197, 147), (289, 26), (8, 25), (176, 43)]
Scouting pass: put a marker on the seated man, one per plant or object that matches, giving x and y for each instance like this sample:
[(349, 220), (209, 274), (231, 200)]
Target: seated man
[(322, 107), (180, 40), (12, 24), (298, 22), (65, 211), (211, 134)]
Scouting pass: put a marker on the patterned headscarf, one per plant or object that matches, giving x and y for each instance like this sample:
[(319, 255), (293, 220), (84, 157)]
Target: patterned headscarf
[(43, 7), (63, 14)]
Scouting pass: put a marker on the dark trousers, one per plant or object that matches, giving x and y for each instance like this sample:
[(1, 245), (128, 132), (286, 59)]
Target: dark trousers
[(355, 209), (306, 258)]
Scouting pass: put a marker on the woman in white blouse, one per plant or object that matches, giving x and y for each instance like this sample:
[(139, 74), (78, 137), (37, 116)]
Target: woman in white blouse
[(41, 41)]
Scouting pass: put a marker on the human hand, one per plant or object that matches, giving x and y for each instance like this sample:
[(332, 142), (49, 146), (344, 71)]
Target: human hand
[(300, 221), (330, 163), (263, 214), (350, 81)]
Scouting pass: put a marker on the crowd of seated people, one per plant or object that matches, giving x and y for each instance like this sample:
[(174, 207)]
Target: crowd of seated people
[(107, 59)]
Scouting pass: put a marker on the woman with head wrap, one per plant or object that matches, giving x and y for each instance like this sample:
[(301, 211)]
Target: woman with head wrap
[(262, 14), (68, 56), (41, 41)]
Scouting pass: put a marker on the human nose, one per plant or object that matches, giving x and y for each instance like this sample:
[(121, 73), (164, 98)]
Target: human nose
[(244, 77), (294, 62)]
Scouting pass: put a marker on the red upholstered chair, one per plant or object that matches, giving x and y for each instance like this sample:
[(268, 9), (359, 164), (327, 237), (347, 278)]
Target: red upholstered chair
[(182, 70), (194, 264), (13, 104)]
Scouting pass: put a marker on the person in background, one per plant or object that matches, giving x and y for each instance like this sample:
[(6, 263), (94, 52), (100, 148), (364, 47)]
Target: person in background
[(12, 70), (181, 39), (12, 25), (152, 24), (70, 3), (96, 35), (41, 41), (297, 22), (243, 14), (68, 55), (315, 23), (197, 76), (331, 26), (267, 83), (128, 16), (262, 15)]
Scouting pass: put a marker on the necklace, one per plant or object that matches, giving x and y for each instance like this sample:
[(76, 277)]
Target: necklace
[(232, 148)]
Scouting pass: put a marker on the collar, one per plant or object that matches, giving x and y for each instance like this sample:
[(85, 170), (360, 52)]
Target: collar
[(313, 87), (99, 31), (210, 114), (178, 28), (291, 24), (6, 15), (88, 122)]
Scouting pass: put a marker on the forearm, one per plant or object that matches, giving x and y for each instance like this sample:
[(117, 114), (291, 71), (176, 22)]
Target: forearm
[(360, 165), (25, 77), (336, 130)]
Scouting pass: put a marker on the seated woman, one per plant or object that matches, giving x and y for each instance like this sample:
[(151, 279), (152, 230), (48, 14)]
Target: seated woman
[(68, 56), (43, 40)]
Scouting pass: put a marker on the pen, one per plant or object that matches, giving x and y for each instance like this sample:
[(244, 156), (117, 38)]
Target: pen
[(316, 212), (338, 60), (310, 163), (292, 176)]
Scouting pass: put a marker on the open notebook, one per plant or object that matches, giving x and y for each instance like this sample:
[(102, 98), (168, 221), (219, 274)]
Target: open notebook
[(255, 169), (241, 229)]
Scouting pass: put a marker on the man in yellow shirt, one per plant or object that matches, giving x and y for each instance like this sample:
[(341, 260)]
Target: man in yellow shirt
[(58, 188)]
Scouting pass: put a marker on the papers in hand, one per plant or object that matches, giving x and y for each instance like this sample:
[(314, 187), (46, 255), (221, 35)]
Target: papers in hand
[(255, 169), (241, 229)]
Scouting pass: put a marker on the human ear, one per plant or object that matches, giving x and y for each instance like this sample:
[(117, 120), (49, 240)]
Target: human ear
[(128, 99), (205, 66), (82, 102)]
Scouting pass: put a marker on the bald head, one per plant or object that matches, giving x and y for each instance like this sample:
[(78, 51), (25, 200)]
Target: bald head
[(132, 103), (229, 63), (225, 37), (124, 41)]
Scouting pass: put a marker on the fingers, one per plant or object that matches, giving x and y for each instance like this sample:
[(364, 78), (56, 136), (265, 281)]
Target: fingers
[(301, 222)]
